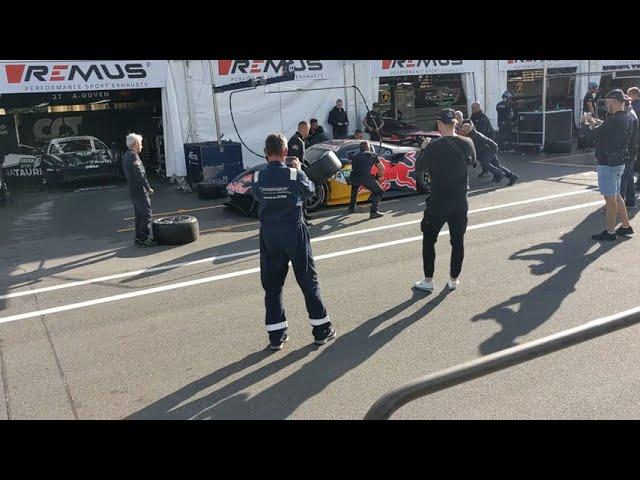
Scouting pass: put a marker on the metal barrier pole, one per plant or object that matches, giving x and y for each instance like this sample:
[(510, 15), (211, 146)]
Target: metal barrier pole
[(392, 401)]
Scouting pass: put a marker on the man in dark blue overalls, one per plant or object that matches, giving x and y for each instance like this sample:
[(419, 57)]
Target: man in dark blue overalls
[(280, 192)]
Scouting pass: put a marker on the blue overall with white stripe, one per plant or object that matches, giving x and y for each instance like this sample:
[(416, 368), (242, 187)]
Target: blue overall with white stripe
[(280, 192)]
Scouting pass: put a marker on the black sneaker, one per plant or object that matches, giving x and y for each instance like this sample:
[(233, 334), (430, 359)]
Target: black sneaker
[(376, 215), (279, 343), (624, 230), (604, 235), (324, 335), (352, 210), (513, 179)]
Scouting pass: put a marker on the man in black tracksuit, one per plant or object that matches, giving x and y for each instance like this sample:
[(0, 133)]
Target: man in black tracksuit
[(139, 189), (338, 120), (361, 166), (446, 159), (487, 152)]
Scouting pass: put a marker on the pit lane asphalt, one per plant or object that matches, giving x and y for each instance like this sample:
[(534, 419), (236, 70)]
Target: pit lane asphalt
[(198, 351)]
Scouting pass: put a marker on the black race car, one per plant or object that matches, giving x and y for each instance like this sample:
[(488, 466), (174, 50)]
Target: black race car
[(402, 133), (400, 176), (65, 159)]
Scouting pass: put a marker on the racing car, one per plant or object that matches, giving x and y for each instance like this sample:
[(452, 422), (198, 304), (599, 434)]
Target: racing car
[(65, 159), (402, 133), (400, 177)]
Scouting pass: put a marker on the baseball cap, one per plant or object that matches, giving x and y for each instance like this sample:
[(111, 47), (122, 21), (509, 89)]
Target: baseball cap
[(446, 116), (617, 94), (593, 85), (506, 94)]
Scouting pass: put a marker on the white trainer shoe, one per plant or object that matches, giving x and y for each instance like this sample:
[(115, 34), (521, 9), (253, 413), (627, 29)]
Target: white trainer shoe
[(453, 284), (424, 285)]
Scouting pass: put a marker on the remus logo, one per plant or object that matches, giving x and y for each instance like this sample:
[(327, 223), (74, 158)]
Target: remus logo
[(389, 64), (23, 73), (233, 67)]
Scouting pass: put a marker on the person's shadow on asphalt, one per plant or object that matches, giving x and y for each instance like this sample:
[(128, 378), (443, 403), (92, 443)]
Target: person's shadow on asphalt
[(568, 258), (281, 399)]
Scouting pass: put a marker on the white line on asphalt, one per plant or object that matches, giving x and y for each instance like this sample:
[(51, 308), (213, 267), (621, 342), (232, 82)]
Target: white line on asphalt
[(164, 288), (252, 252)]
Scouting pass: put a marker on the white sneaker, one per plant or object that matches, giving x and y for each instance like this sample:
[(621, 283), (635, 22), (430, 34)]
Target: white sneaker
[(424, 285), (453, 284)]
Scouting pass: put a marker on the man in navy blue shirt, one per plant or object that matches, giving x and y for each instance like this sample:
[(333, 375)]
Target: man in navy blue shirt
[(280, 192)]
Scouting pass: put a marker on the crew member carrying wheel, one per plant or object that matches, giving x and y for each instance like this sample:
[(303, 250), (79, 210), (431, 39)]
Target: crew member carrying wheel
[(361, 166), (280, 192)]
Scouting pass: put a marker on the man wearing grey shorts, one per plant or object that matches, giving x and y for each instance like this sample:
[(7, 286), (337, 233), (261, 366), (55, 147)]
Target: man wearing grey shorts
[(612, 152)]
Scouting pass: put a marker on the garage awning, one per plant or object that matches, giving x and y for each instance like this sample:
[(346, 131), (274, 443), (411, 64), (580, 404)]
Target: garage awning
[(64, 76)]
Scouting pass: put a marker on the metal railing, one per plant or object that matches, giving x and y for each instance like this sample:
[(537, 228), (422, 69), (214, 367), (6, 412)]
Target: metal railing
[(393, 400)]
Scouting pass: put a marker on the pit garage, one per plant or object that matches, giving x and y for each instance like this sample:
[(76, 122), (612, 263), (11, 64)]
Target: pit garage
[(66, 122)]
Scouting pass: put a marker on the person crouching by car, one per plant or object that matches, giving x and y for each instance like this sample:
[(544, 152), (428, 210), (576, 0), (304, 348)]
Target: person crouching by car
[(357, 135), (316, 134), (139, 189), (361, 166)]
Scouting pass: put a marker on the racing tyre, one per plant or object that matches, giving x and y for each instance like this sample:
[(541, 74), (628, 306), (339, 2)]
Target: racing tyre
[(175, 230), (421, 183), (212, 189), (318, 199), (324, 168)]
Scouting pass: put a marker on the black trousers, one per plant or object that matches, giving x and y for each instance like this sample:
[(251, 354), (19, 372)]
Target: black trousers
[(370, 184), (490, 163), (279, 245), (142, 209), (505, 136), (437, 213)]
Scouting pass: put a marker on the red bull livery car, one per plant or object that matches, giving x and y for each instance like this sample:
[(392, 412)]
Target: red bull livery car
[(400, 176)]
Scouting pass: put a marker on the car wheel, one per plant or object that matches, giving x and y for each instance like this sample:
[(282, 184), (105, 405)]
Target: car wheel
[(212, 189), (318, 199), (324, 168), (422, 185), (175, 230)]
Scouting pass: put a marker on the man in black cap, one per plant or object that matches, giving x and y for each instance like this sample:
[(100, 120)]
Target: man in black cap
[(446, 159), (373, 123), (612, 152), (506, 117), (487, 152)]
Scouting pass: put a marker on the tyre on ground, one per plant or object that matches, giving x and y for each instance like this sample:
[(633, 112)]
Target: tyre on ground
[(175, 230)]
